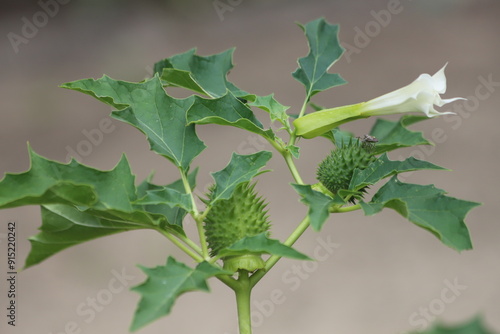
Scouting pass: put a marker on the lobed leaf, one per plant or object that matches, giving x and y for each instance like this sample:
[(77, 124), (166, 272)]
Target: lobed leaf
[(52, 182), (226, 110), (241, 168), (428, 207), (325, 50), (147, 107), (64, 226), (80, 203), (338, 137), (165, 284), (165, 195), (174, 212), (104, 194), (261, 244), (383, 167), (294, 150), (207, 75), (318, 203), (276, 110), (393, 135), (202, 74)]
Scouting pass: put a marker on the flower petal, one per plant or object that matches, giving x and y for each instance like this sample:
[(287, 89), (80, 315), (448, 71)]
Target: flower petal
[(439, 80), (419, 96)]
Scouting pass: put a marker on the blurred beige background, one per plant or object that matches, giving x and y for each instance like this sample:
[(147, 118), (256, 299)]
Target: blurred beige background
[(384, 275)]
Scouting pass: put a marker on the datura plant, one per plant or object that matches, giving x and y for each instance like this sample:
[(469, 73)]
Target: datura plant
[(233, 243)]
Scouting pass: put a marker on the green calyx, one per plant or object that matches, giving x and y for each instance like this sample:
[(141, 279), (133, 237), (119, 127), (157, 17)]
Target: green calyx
[(336, 170), (230, 220), (249, 262)]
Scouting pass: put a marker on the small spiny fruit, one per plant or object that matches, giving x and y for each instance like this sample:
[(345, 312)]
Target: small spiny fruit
[(336, 170), (230, 220)]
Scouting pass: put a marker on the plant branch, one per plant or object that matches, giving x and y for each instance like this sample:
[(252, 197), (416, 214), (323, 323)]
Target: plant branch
[(201, 235), (346, 209), (229, 281), (293, 136), (298, 231), (291, 166), (279, 146), (243, 292), (197, 257), (188, 242), (196, 215), (256, 277), (189, 191)]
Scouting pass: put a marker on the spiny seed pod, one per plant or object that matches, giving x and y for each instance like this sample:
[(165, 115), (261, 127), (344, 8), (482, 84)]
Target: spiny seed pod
[(228, 221), (336, 170)]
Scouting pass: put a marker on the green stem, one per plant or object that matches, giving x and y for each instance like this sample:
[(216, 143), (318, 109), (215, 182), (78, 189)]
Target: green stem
[(257, 276), (229, 281), (189, 191), (203, 240), (196, 255), (276, 145), (182, 246), (347, 209), (293, 169), (243, 292), (293, 136), (188, 242), (196, 215), (288, 159), (304, 105)]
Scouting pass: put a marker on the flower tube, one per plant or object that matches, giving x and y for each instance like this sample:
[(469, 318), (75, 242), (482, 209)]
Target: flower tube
[(419, 96)]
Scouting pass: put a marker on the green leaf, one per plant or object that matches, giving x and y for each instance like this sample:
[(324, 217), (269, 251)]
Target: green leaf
[(241, 168), (64, 226), (325, 50), (207, 75), (227, 110), (51, 182), (393, 135), (383, 167), (318, 203), (427, 207), (79, 203), (261, 244), (338, 137), (474, 326), (344, 195), (202, 74), (164, 284), (175, 214), (276, 110), (164, 195), (294, 150), (147, 107)]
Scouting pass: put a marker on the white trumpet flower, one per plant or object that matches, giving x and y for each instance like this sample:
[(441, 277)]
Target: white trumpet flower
[(420, 96)]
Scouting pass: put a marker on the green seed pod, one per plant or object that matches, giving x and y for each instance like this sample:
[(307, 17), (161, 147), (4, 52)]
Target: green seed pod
[(228, 221), (336, 170)]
